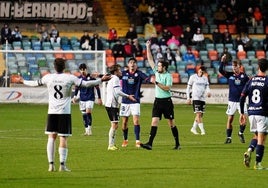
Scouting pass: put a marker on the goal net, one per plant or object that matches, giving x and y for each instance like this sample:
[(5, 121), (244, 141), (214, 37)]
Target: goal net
[(33, 64)]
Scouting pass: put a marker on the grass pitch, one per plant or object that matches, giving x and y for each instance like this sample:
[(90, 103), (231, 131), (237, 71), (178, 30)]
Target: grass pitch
[(204, 161)]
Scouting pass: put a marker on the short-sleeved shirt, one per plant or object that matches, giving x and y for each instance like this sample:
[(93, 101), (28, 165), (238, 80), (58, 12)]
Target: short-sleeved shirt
[(165, 79)]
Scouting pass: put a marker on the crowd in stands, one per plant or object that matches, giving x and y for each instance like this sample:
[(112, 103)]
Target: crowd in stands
[(180, 50)]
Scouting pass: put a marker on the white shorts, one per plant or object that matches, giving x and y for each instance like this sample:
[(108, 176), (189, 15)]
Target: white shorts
[(258, 124), (86, 105), (233, 107), (130, 109)]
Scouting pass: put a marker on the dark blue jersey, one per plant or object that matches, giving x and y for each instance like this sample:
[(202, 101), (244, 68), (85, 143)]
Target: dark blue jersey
[(257, 91), (236, 83), (87, 93), (131, 84)]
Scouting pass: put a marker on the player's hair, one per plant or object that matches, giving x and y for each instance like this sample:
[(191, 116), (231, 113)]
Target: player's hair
[(203, 68), (132, 59), (263, 64), (114, 68), (164, 63), (82, 66), (237, 62), (59, 64)]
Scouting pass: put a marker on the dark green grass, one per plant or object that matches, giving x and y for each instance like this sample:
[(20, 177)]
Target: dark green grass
[(204, 161)]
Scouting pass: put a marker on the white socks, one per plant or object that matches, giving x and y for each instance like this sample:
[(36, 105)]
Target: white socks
[(63, 153), (111, 136), (50, 150)]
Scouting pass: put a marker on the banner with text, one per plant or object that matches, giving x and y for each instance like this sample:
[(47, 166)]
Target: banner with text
[(59, 11)]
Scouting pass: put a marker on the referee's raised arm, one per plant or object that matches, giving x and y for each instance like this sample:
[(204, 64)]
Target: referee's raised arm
[(149, 54)]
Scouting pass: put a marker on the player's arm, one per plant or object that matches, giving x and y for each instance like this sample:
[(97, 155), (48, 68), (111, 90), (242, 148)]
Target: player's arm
[(162, 86), (32, 83), (98, 94), (118, 91), (149, 54)]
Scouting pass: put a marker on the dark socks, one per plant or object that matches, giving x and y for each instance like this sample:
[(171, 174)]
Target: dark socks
[(152, 135), (253, 144), (259, 153), (137, 131), (175, 133), (125, 134), (229, 132), (242, 128)]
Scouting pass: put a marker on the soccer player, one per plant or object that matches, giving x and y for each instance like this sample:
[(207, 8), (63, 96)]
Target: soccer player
[(257, 91), (199, 85), (163, 104), (112, 102), (131, 84), (236, 80), (59, 86), (87, 99)]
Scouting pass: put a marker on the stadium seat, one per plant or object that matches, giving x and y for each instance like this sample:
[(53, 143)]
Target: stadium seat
[(213, 55), (260, 54), (222, 28), (241, 55), (232, 29), (176, 78)]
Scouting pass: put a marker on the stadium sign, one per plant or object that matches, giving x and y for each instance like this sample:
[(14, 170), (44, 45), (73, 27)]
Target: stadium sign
[(45, 11)]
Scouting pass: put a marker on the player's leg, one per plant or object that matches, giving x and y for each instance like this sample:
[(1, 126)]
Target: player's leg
[(195, 123), (51, 151), (229, 127), (63, 153), (89, 108), (242, 127), (125, 130), (113, 114), (135, 111), (124, 114)]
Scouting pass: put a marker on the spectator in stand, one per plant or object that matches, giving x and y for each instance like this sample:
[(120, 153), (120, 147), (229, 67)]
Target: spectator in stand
[(238, 44), (5, 34), (247, 42), (228, 56), (169, 57), (178, 55), (118, 49), (86, 45), (54, 34), (136, 18), (198, 39), (112, 37), (143, 9), (154, 42), (189, 56), (257, 16), (231, 15), (137, 48), (168, 20), (227, 37), (166, 34), (44, 34), (173, 43), (84, 37), (96, 43), (128, 48), (188, 36), (265, 43), (250, 17), (16, 34), (220, 16), (241, 24), (195, 22), (217, 37), (131, 34), (163, 44), (158, 54)]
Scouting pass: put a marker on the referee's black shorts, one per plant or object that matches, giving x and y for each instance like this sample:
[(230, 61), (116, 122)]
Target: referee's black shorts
[(163, 106)]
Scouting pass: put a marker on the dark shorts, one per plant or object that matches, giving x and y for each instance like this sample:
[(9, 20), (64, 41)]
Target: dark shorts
[(60, 124), (163, 106), (113, 114), (199, 106)]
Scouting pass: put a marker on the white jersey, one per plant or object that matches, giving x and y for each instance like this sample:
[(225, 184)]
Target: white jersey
[(113, 92), (199, 86), (59, 88)]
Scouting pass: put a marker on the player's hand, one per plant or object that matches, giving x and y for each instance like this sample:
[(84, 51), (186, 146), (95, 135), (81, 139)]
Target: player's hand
[(99, 102), (188, 101), (131, 97), (73, 99), (106, 77), (148, 44), (242, 119)]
